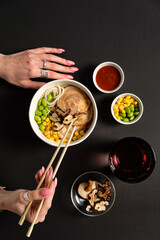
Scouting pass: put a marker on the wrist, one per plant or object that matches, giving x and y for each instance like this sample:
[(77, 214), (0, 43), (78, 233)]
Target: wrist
[(2, 200), (2, 65)]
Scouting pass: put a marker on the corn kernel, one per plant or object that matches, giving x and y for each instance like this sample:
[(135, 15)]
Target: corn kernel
[(115, 107), (47, 119), (81, 132), (76, 133), (74, 138), (125, 100), (128, 97), (51, 138), (65, 140), (116, 111), (48, 136), (120, 99), (44, 123), (79, 136), (135, 103), (121, 107), (58, 140), (123, 111), (56, 137)]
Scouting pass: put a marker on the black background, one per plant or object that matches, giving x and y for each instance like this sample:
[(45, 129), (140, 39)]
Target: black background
[(123, 31)]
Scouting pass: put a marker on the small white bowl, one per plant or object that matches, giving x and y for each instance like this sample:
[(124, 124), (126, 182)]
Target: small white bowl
[(108, 64), (141, 108), (38, 95)]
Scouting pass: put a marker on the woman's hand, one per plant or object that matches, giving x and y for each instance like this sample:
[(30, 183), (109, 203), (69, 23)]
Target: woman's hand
[(20, 68), (14, 200)]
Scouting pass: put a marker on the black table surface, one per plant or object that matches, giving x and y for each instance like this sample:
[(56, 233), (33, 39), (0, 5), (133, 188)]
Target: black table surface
[(125, 32)]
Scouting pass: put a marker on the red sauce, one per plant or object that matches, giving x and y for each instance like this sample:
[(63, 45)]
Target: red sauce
[(108, 78)]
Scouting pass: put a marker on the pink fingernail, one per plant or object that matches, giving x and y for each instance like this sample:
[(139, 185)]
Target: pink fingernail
[(45, 192), (61, 50), (40, 172), (70, 62), (69, 77), (55, 182), (43, 170), (73, 69)]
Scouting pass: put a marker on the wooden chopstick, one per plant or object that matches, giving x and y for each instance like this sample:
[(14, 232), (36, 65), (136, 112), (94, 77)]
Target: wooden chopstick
[(53, 176), (21, 221)]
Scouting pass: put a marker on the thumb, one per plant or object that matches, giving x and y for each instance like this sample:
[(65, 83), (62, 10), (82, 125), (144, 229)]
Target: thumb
[(39, 194)]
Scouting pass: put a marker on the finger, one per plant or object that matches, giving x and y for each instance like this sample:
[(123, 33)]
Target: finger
[(48, 201), (40, 173), (60, 68), (55, 75), (31, 84), (53, 58), (47, 50), (39, 194), (48, 176)]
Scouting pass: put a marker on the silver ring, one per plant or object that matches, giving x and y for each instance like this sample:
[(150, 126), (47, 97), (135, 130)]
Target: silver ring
[(26, 197), (44, 74), (44, 64)]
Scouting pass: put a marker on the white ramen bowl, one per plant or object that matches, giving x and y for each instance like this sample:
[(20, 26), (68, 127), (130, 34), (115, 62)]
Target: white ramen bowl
[(38, 95)]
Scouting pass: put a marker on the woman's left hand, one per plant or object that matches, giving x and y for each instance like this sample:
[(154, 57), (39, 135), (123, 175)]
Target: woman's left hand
[(21, 68)]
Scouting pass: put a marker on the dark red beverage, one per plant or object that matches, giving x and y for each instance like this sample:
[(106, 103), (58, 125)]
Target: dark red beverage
[(132, 159)]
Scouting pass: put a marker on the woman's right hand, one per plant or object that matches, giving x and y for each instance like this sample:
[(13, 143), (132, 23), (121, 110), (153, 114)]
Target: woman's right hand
[(14, 200)]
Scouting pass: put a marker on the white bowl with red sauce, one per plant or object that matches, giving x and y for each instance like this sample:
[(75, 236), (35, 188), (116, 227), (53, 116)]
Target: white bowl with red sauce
[(108, 77)]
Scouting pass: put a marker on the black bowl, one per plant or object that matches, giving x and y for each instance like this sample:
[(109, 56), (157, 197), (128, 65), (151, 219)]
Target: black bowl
[(80, 203), (132, 159)]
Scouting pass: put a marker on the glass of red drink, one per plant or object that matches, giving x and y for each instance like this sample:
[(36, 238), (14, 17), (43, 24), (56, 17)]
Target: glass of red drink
[(132, 159)]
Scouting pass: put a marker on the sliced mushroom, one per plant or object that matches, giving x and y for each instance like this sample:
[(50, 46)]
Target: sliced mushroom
[(81, 190), (55, 117), (93, 197), (68, 119), (101, 206), (91, 185), (106, 184), (58, 126), (97, 200), (62, 113), (101, 189), (104, 194), (88, 208)]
